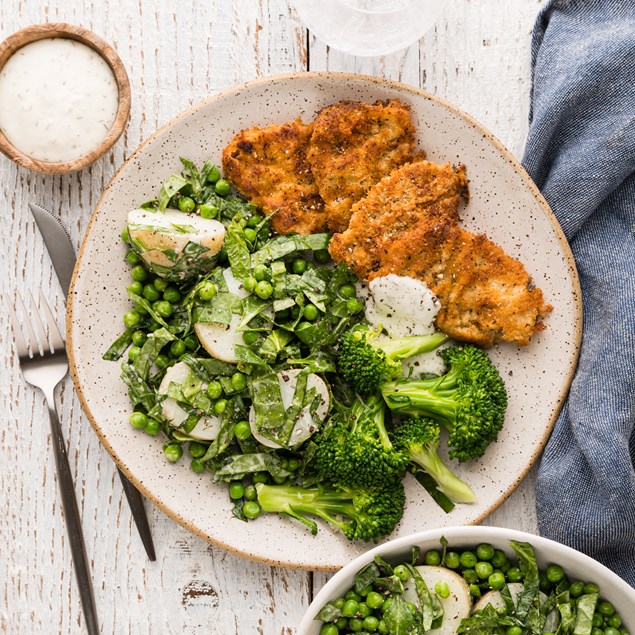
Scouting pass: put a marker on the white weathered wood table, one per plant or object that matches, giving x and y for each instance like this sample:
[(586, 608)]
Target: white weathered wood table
[(176, 54)]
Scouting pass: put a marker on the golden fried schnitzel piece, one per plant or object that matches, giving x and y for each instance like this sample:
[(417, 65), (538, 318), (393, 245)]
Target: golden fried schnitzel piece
[(415, 195), (353, 146), (485, 295), (269, 167)]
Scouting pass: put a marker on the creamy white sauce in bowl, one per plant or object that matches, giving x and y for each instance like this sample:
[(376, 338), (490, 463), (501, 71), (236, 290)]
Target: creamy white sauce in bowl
[(58, 99)]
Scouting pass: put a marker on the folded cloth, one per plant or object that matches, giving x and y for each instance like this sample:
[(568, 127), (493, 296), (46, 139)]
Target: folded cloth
[(581, 153)]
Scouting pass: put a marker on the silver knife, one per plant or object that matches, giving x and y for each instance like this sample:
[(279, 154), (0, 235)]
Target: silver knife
[(62, 252)]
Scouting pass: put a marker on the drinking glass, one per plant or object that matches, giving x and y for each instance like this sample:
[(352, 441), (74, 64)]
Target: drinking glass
[(368, 27)]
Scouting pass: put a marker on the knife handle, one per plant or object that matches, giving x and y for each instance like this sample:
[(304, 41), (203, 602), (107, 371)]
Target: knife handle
[(135, 501)]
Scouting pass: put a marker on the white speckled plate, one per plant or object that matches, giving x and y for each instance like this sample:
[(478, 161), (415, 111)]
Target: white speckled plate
[(504, 204)]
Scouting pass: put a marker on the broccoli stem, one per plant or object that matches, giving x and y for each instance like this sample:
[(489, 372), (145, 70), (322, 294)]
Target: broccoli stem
[(448, 483), (405, 347), (417, 397), (373, 410)]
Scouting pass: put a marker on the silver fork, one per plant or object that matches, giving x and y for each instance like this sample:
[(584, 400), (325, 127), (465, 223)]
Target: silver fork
[(44, 364)]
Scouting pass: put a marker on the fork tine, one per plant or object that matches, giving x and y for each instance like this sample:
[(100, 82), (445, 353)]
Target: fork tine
[(38, 327), (18, 336), (55, 337), (34, 345)]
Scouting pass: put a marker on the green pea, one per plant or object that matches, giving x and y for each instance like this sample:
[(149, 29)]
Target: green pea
[(207, 290), (135, 287), (475, 590), (138, 420), (597, 620), (452, 560), (469, 575), (139, 338), (261, 272), (322, 256), (555, 573), (543, 582), (432, 558), (370, 624), (293, 465), (163, 308), (171, 295), (208, 211), (177, 348), (514, 630), (150, 293), (162, 361), (197, 466), (191, 342), (298, 266), (401, 571), (499, 559), (329, 629), (131, 318), (242, 430), (251, 509), (249, 337), (597, 631), (251, 493), (514, 575), (236, 490), (153, 427), (347, 291), (383, 629), (125, 234), (250, 284), (614, 620), (196, 450), (605, 608), (222, 187), (468, 559), (483, 570), (160, 284), (253, 221), (352, 595), (355, 625), (310, 312), (350, 608), (496, 580), (484, 551), (442, 589), (363, 610), (354, 305), (611, 631), (220, 406), (239, 381), (214, 175), (279, 480), (264, 289), (374, 599), (173, 452), (214, 390), (186, 204), (591, 587), (134, 352), (132, 257), (250, 234), (260, 477)]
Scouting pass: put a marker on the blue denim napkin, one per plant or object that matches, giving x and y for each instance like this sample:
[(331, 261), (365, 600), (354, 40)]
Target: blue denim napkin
[(581, 153)]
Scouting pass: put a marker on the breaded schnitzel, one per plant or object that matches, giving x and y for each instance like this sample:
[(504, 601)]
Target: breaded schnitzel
[(269, 167), (353, 146), (408, 225)]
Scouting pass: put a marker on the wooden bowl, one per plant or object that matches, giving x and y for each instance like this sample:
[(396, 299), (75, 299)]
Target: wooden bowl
[(61, 30)]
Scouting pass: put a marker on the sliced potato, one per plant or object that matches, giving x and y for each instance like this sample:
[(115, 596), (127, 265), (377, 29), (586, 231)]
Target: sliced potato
[(457, 606), (207, 428), (515, 588), (306, 426), (155, 233), (219, 339)]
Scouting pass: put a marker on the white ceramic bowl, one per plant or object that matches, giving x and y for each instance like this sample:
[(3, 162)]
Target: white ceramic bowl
[(576, 565)]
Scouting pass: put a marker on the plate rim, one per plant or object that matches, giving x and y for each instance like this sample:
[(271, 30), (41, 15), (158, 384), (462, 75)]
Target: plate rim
[(326, 75)]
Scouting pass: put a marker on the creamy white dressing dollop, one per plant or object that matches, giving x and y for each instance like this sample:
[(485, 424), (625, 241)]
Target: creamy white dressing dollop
[(58, 99), (403, 306)]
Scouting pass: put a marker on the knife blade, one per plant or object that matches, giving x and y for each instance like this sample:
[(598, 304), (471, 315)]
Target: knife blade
[(62, 253)]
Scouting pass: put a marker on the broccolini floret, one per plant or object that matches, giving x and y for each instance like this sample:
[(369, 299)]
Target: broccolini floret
[(360, 513), (357, 450), (418, 438), (469, 400), (365, 360)]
